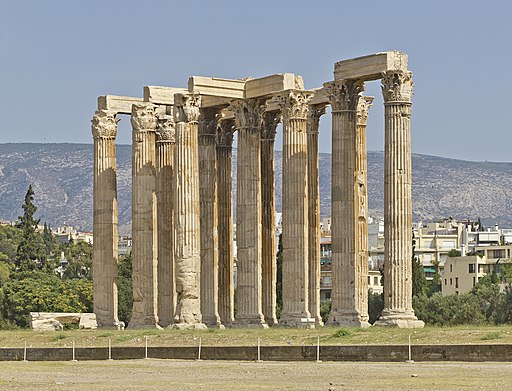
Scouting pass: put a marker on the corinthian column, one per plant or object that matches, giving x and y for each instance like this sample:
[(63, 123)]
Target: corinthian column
[(248, 118), (314, 114), (268, 231), (294, 106), (344, 96), (208, 211), (164, 193), (225, 221), (186, 213), (362, 207), (144, 219), (104, 260), (397, 90)]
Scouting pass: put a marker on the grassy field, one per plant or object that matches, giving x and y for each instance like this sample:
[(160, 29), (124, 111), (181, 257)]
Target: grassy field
[(214, 375), (249, 337)]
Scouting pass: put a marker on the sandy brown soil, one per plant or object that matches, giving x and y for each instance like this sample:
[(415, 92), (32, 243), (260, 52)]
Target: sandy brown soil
[(219, 375)]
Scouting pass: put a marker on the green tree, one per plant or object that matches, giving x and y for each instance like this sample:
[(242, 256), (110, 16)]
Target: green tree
[(124, 287), (375, 305), (10, 238), (31, 247), (419, 282), (79, 257), (453, 253)]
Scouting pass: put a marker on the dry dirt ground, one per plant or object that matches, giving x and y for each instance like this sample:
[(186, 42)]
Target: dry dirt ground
[(227, 375)]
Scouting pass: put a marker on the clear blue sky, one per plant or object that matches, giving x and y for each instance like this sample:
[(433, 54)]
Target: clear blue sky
[(56, 57)]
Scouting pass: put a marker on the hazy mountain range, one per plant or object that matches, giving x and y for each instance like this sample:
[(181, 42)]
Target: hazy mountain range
[(61, 175)]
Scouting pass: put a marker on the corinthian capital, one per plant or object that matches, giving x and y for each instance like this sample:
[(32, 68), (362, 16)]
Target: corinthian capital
[(248, 112), (363, 106), (225, 131), (143, 117), (104, 124), (186, 107), (314, 114), (208, 121), (294, 104), (397, 86), (344, 94), (165, 131), (270, 121)]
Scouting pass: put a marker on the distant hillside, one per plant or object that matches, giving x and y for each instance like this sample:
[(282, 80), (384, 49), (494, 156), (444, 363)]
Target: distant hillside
[(61, 175)]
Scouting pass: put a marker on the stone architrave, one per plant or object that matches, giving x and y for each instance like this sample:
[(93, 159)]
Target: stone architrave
[(397, 89), (144, 217), (165, 139), (248, 121), (208, 216), (314, 114), (344, 96), (268, 211), (295, 285), (362, 207), (186, 213), (225, 221), (105, 257)]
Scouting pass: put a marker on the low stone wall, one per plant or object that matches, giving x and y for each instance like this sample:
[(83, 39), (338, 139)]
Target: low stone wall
[(385, 353)]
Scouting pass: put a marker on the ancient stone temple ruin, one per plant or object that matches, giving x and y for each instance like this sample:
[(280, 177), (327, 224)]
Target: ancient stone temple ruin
[(182, 202)]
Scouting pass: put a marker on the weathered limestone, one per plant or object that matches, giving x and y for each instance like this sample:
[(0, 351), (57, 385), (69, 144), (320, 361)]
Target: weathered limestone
[(268, 209), (208, 216), (344, 96), (52, 321), (397, 89), (294, 105), (165, 139), (362, 207), (225, 221), (269, 85), (104, 265), (144, 219), (186, 213), (248, 118), (370, 67), (314, 114), (117, 104)]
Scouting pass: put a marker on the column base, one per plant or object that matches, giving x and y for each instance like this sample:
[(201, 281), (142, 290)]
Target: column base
[(319, 321), (348, 319), (165, 322), (400, 319), (250, 321), (213, 322), (271, 321), (188, 326)]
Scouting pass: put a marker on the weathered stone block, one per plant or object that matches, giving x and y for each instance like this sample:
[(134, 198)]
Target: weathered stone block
[(370, 67), (269, 85), (119, 104), (52, 321), (161, 95), (227, 88)]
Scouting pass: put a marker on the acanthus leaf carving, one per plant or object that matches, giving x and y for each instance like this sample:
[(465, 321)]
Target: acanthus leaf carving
[(294, 104), (270, 121), (186, 107), (104, 124), (344, 94), (165, 129), (225, 132), (314, 114), (364, 104), (397, 86), (143, 117), (248, 112)]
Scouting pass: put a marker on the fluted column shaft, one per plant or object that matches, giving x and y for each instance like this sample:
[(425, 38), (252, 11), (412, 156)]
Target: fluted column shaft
[(186, 213), (225, 222), (362, 207), (315, 112), (344, 96), (397, 91), (248, 117), (105, 229), (144, 219), (165, 134), (208, 217), (268, 232), (295, 209)]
